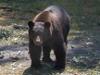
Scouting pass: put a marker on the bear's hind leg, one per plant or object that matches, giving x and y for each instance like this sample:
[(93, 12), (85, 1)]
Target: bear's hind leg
[(60, 54)]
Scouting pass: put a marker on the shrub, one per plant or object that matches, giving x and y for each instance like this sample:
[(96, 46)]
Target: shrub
[(5, 33)]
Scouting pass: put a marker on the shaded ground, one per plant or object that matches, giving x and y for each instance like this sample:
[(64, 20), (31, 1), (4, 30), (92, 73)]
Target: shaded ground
[(16, 60)]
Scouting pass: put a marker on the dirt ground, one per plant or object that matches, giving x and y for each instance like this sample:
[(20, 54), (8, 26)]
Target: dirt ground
[(14, 60)]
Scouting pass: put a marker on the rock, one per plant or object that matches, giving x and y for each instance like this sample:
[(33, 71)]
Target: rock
[(1, 56), (14, 59)]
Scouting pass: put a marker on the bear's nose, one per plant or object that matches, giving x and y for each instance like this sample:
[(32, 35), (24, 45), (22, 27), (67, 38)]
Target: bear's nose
[(38, 39)]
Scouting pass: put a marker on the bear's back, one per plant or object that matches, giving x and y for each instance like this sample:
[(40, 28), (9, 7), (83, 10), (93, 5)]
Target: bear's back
[(56, 15), (52, 13)]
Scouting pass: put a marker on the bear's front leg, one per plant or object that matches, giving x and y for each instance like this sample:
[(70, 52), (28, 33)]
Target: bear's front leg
[(60, 54), (35, 53), (46, 54)]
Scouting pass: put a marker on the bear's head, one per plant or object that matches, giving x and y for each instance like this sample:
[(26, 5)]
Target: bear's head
[(39, 32)]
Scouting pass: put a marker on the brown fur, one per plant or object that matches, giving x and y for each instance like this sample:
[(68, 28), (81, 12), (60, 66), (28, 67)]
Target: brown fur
[(59, 28)]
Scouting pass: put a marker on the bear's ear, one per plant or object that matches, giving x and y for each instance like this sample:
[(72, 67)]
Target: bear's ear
[(47, 24), (30, 24)]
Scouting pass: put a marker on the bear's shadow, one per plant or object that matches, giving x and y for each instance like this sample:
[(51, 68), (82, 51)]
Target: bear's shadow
[(46, 69)]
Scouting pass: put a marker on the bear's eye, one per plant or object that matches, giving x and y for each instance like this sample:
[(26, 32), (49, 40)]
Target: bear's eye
[(38, 28)]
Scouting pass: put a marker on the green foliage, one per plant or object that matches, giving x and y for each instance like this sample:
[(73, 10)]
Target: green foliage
[(5, 33)]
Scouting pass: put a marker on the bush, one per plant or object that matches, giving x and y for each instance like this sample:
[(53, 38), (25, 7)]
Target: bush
[(5, 33)]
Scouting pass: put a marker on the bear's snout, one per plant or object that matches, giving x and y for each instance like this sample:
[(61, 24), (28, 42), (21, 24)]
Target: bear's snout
[(38, 41)]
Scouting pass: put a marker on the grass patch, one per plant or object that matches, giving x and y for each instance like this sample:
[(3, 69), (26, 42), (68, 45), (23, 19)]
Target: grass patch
[(5, 33), (10, 36)]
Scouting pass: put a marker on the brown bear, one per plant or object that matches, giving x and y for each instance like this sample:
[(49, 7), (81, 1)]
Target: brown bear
[(49, 30)]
